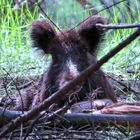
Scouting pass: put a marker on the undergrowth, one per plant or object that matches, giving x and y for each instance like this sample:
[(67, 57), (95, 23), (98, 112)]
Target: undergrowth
[(18, 58)]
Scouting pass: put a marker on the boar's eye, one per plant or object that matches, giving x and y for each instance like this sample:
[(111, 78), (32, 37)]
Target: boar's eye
[(57, 53), (83, 48)]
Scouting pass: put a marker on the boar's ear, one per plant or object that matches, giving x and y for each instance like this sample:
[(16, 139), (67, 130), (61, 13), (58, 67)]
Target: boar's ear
[(42, 33), (90, 33)]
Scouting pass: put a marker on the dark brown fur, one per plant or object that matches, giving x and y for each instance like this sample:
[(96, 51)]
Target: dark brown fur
[(78, 47)]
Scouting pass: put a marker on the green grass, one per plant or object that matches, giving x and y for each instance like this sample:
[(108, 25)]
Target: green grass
[(18, 58), (16, 54)]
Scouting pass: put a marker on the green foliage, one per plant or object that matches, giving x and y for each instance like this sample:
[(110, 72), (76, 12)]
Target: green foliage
[(17, 57)]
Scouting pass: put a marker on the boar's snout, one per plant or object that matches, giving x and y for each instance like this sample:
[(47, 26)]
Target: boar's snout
[(68, 74)]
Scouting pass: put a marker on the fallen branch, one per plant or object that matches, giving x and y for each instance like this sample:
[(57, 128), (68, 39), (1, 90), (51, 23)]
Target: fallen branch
[(121, 108), (9, 114), (83, 118), (65, 90)]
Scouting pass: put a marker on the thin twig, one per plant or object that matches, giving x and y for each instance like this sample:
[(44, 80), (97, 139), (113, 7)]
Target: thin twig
[(114, 4), (98, 13), (5, 87), (130, 65), (129, 88), (121, 129), (106, 3), (15, 87), (65, 90), (32, 125), (45, 14), (135, 137), (27, 84), (112, 26)]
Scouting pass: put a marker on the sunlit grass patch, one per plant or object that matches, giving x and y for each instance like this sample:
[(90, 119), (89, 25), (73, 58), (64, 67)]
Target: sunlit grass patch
[(17, 56)]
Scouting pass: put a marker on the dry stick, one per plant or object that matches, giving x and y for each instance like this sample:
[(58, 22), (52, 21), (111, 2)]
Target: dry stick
[(87, 5), (106, 4), (83, 118), (65, 90), (123, 84), (49, 118), (45, 14), (15, 87), (135, 137), (112, 26), (32, 125), (120, 128), (79, 117), (114, 4), (133, 71)]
